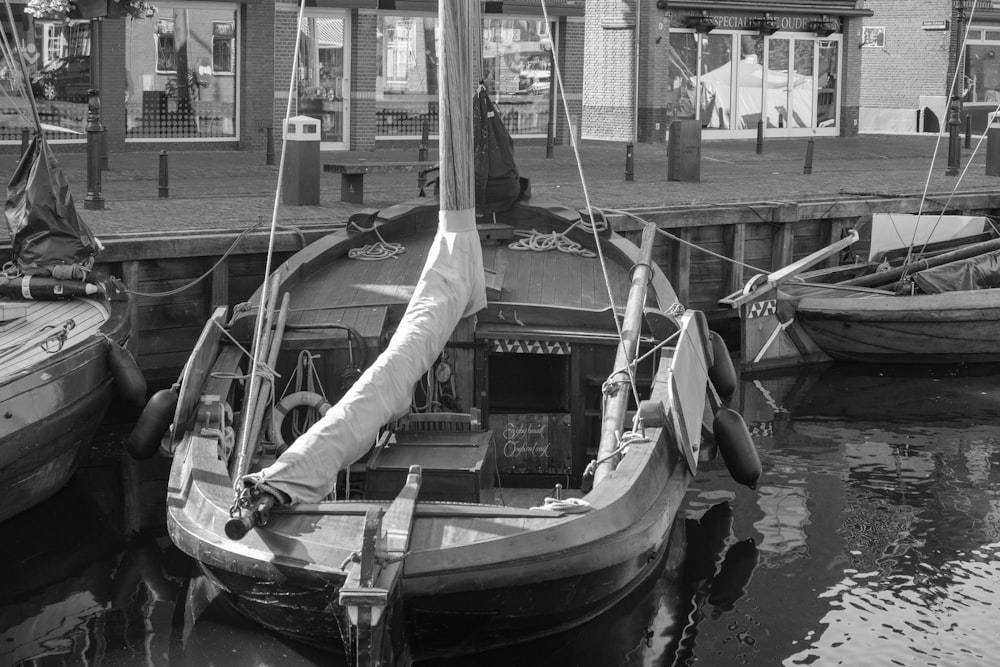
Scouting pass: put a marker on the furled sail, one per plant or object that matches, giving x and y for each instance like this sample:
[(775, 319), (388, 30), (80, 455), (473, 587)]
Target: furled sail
[(49, 237), (451, 286)]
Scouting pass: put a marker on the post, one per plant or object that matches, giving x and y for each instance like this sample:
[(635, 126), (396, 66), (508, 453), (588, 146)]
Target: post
[(968, 130), (164, 176), (550, 129), (97, 83), (425, 131), (808, 168), (760, 137), (954, 145), (94, 200), (269, 157), (628, 162)]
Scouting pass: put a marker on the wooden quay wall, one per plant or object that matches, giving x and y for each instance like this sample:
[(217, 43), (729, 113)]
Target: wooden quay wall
[(179, 278)]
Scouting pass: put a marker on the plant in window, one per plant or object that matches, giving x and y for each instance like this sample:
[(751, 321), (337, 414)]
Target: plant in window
[(70, 9)]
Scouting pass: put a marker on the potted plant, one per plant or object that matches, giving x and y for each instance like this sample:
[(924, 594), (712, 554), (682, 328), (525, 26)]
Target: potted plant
[(88, 9)]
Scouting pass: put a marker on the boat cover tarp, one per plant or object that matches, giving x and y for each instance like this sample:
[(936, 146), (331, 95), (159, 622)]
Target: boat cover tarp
[(451, 286), (498, 185), (42, 220), (979, 272)]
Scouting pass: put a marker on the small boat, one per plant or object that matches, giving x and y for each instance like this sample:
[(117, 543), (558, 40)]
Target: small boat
[(929, 293), (507, 406), (63, 326)]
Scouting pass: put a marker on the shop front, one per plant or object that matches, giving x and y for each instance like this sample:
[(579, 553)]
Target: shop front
[(736, 72)]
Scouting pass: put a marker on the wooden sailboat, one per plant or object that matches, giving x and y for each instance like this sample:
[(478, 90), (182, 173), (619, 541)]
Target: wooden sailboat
[(511, 463), (940, 304), (62, 328)]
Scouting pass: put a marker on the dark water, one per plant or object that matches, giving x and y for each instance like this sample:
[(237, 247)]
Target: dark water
[(873, 539)]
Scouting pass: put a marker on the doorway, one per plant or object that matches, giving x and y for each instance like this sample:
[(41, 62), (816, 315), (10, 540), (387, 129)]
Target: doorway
[(323, 89)]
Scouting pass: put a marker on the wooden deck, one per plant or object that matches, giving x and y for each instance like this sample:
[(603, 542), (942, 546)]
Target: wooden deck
[(28, 340)]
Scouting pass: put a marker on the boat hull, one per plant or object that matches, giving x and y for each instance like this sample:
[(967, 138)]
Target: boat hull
[(39, 458), (939, 328), (51, 408)]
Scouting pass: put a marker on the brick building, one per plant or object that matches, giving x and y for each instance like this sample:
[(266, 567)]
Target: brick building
[(921, 55), (791, 68), (212, 74)]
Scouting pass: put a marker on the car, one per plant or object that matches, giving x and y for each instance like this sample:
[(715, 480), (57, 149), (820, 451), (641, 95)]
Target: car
[(66, 78)]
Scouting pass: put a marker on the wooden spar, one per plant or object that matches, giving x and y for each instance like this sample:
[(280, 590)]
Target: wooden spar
[(772, 280), (241, 459), (615, 406), (457, 191), (267, 382), (892, 275)]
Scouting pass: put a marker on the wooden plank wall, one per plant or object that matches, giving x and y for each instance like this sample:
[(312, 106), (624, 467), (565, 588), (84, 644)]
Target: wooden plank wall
[(180, 277)]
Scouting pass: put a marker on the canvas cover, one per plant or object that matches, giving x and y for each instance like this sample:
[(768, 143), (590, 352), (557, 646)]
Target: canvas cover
[(44, 226), (451, 286), (980, 272), (498, 184)]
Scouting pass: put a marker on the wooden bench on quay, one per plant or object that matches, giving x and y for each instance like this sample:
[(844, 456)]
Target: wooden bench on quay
[(352, 174)]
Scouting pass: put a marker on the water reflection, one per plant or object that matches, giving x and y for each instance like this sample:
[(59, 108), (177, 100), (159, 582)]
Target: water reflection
[(873, 538)]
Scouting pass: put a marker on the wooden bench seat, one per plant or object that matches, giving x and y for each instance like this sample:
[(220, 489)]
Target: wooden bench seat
[(352, 174)]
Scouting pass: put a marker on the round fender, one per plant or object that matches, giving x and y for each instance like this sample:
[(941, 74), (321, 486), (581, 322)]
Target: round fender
[(126, 373), (722, 373), (299, 399), (737, 447), (152, 424)]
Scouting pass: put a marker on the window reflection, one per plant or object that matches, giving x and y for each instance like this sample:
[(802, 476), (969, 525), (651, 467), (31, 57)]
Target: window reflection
[(516, 69), (716, 80), (180, 74), (320, 83)]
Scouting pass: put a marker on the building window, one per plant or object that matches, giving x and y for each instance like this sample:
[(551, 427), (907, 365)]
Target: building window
[(516, 64), (223, 36), (165, 53), (172, 93)]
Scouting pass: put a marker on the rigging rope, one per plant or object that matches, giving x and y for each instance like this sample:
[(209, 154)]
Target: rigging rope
[(586, 192)]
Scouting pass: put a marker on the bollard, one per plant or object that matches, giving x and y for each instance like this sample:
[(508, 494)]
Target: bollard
[(628, 161), (425, 132), (968, 130), (808, 168), (269, 157), (94, 200), (760, 137), (954, 143), (24, 139), (164, 176)]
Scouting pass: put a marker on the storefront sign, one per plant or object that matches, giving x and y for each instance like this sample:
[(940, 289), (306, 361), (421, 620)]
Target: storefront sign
[(935, 25), (787, 23)]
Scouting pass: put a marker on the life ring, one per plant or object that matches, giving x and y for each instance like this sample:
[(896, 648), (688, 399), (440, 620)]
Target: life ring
[(299, 399)]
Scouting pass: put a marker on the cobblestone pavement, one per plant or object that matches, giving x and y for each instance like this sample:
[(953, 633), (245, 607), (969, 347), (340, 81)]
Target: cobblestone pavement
[(235, 190)]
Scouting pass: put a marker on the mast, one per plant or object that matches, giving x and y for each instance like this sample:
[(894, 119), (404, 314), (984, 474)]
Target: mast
[(455, 142)]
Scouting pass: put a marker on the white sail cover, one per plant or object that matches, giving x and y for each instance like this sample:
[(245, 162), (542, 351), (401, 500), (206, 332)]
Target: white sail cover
[(451, 286)]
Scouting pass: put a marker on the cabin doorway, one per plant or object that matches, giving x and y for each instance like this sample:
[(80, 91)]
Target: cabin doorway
[(530, 414)]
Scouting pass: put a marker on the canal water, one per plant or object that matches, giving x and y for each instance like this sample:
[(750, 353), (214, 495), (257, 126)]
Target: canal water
[(873, 538)]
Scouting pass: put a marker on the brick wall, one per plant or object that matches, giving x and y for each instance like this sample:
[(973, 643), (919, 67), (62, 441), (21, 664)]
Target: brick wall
[(913, 62), (608, 71), (257, 76)]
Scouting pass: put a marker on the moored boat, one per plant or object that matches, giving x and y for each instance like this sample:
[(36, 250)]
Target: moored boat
[(511, 462), (62, 331), (928, 301)]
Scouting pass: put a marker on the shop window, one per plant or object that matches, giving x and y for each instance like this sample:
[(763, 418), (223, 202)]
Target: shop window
[(223, 37), (518, 72), (172, 92), (516, 68)]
